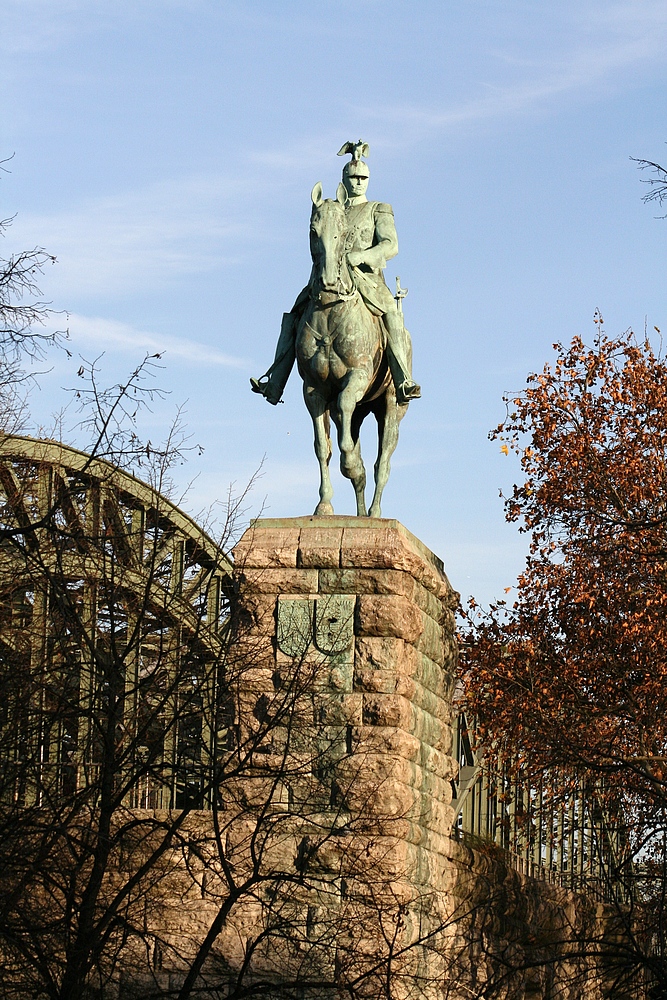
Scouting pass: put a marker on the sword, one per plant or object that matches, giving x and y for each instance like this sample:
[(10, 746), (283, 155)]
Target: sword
[(400, 295)]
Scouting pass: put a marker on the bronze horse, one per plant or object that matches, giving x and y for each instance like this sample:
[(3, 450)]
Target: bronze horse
[(342, 358)]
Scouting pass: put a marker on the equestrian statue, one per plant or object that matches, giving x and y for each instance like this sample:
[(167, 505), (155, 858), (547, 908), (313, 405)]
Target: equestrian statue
[(347, 335)]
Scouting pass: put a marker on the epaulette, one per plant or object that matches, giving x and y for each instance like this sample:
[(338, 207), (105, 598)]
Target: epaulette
[(382, 206)]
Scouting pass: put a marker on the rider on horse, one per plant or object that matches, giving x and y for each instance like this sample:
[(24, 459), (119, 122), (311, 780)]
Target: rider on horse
[(370, 242)]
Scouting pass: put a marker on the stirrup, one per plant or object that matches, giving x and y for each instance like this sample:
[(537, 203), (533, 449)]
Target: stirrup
[(408, 391), (263, 386)]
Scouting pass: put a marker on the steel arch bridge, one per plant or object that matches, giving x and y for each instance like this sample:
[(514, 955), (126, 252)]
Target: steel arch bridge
[(92, 496), (97, 567)]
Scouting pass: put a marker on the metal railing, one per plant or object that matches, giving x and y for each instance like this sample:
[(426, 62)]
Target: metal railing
[(558, 831)]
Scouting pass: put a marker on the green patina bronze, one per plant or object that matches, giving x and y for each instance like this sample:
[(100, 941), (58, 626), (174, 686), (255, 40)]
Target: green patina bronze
[(347, 334)]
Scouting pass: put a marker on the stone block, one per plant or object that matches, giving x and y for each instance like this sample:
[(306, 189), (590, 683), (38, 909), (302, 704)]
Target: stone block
[(429, 640), (377, 797), (438, 762), (422, 698), (379, 769), (387, 710), (396, 664), (448, 619), (385, 653), (387, 545), (278, 581), (431, 676), (429, 729), (369, 739), (257, 610), (437, 816), (338, 710), (388, 616), (252, 651), (374, 680), (431, 787), (407, 688), (366, 581), (435, 843), (319, 546), (341, 677), (427, 602), (263, 547), (257, 677)]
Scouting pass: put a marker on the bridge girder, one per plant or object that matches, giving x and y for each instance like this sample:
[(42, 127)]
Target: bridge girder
[(99, 567)]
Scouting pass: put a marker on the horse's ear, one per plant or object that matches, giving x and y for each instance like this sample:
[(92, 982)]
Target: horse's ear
[(341, 194), (316, 195)]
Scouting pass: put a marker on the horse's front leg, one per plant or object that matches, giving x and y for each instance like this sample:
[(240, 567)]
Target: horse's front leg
[(318, 409), (351, 463)]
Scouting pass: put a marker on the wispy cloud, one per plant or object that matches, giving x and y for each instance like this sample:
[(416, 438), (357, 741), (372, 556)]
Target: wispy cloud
[(608, 40), (143, 238), (45, 25), (107, 334)]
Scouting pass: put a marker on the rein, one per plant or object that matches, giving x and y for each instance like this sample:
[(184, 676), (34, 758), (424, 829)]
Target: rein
[(341, 297), (342, 263)]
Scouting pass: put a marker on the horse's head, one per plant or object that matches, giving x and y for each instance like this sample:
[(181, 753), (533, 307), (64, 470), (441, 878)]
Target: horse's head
[(328, 226)]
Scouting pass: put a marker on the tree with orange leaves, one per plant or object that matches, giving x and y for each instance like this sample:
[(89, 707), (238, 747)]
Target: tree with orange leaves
[(572, 677)]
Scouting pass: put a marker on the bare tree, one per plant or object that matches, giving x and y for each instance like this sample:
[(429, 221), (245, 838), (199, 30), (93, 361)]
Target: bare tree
[(23, 316), (657, 183)]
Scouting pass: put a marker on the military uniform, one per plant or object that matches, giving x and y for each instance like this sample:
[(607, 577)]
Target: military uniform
[(372, 230)]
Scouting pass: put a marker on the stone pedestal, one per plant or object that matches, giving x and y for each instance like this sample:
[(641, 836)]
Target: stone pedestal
[(371, 608)]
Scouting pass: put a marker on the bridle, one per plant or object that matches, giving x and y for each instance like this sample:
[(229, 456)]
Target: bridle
[(342, 295)]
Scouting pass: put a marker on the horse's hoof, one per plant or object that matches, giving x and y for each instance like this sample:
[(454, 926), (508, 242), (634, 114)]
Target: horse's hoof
[(323, 509), (375, 511)]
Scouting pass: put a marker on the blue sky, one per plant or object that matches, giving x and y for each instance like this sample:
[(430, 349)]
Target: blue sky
[(165, 152)]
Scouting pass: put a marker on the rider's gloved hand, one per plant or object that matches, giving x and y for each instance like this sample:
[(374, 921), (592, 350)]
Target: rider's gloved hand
[(355, 258)]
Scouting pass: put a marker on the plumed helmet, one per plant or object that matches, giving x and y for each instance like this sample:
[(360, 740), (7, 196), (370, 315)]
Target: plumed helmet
[(356, 166)]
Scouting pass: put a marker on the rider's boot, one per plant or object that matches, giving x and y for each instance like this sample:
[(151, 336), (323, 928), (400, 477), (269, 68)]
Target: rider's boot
[(265, 387), (397, 336), (271, 385)]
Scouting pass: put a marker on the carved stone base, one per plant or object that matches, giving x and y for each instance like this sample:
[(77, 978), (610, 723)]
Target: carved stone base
[(368, 608)]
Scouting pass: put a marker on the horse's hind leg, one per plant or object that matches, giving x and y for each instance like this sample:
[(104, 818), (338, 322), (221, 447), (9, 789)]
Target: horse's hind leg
[(389, 415), (317, 407)]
